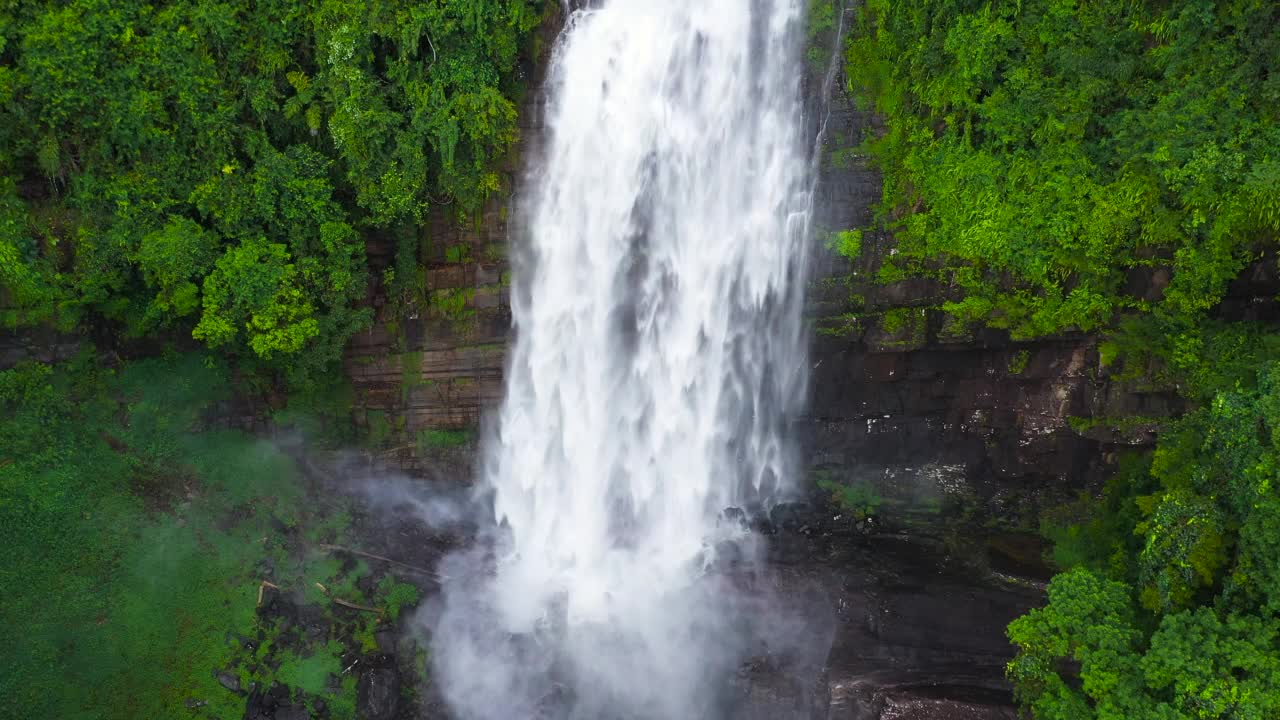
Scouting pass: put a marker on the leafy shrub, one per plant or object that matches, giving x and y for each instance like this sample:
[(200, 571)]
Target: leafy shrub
[(859, 499)]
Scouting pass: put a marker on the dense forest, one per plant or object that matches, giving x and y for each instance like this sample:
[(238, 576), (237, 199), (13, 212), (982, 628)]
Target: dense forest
[(194, 182), (213, 169), (1038, 157)]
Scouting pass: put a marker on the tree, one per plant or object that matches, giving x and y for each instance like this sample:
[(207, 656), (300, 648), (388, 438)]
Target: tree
[(1044, 152), (253, 288), (148, 151), (1191, 629)]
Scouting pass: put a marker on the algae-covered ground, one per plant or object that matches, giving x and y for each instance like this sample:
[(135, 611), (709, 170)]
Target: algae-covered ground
[(157, 563)]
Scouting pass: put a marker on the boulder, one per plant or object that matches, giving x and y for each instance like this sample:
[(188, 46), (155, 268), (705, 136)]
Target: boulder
[(292, 712), (228, 680), (378, 693)]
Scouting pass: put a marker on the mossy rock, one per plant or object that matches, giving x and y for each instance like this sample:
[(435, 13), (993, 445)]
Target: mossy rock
[(899, 330)]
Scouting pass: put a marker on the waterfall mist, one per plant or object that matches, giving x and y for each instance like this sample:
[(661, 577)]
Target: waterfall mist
[(659, 353)]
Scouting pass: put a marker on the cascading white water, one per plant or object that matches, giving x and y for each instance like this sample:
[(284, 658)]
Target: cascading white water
[(659, 352)]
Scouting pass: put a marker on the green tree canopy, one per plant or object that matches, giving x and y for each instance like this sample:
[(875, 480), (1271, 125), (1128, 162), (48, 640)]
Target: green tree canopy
[(147, 151), (1046, 150), (1187, 623)]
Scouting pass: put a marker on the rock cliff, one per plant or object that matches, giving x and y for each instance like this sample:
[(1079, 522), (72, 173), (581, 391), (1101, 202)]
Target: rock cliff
[(930, 448), (893, 380), (949, 440)]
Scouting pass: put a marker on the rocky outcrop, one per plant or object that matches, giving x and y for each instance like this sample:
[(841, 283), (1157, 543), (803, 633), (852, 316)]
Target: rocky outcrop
[(378, 690), (38, 345), (915, 637), (862, 627)]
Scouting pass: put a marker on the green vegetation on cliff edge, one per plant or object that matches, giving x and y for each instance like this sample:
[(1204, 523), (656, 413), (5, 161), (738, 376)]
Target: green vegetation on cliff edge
[(1112, 166), (215, 168)]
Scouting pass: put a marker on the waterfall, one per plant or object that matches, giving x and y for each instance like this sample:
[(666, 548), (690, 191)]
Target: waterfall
[(659, 352)]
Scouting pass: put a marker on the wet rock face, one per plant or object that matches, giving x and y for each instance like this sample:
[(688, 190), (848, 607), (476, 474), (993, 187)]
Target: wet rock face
[(435, 362), (906, 705), (273, 704), (762, 691), (293, 712), (378, 691), (876, 628)]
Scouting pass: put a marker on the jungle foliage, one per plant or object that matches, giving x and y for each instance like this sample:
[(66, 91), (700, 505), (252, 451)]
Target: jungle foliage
[(1039, 153), (1170, 604), (135, 535), (215, 167), (208, 172), (1041, 158)]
